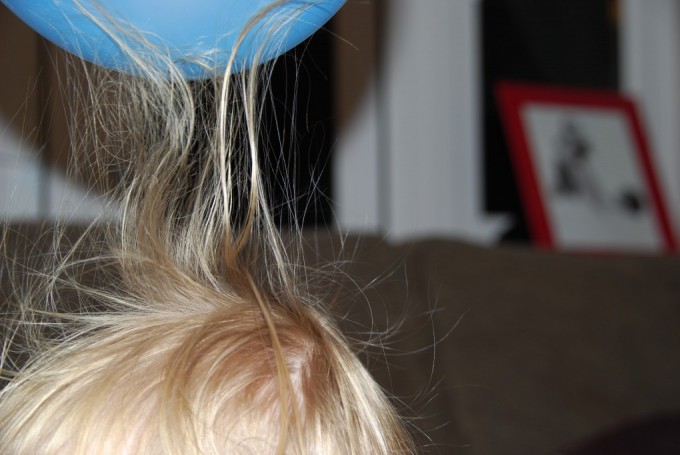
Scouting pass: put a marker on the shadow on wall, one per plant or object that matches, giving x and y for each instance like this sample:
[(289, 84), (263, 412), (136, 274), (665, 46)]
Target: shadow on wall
[(33, 131)]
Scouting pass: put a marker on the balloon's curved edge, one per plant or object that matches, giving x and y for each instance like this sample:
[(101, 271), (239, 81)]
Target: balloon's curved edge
[(61, 23)]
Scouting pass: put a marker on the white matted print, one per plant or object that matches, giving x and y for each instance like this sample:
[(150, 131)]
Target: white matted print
[(584, 169)]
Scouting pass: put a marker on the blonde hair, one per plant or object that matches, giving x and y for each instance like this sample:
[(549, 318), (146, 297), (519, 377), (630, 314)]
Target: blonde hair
[(187, 327)]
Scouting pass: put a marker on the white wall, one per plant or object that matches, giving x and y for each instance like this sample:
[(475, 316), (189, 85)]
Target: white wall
[(650, 69), (30, 191)]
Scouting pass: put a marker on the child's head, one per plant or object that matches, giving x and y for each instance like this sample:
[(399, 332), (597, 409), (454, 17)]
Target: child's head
[(189, 331), (228, 374)]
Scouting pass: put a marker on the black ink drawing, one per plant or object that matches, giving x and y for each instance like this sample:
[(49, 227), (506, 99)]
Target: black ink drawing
[(577, 177)]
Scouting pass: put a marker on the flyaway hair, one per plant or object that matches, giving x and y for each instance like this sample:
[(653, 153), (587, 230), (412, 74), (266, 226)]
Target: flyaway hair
[(180, 323)]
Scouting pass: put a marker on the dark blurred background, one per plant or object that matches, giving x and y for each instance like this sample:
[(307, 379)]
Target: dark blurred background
[(318, 89)]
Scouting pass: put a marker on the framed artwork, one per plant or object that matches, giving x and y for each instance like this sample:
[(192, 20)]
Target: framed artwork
[(584, 169)]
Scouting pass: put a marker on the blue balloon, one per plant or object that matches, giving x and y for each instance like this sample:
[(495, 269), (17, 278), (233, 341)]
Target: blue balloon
[(196, 35)]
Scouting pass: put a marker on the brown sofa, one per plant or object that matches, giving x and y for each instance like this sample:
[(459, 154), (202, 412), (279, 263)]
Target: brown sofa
[(511, 350)]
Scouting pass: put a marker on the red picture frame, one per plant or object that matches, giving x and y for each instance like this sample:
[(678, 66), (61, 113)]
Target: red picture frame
[(577, 154)]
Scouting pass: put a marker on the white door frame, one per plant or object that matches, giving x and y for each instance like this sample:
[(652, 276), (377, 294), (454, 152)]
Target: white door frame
[(411, 165)]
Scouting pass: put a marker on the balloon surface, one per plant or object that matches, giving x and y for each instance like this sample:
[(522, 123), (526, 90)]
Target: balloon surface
[(199, 36)]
